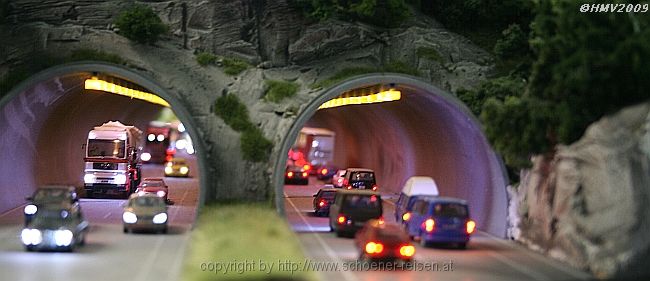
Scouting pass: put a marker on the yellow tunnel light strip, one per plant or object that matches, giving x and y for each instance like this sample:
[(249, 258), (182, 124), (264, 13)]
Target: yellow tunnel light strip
[(383, 96), (101, 85)]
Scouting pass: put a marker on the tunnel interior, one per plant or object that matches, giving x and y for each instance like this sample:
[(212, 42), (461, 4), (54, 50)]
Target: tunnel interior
[(45, 127), (425, 133)]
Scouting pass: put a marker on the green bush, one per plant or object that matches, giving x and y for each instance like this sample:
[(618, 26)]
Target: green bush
[(234, 66), (342, 75), (89, 54), (429, 53), (204, 58), (498, 88), (400, 67), (254, 146), (385, 13), (279, 90), (514, 43), (233, 112), (140, 24)]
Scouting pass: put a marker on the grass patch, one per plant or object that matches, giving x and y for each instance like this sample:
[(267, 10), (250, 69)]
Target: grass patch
[(233, 112), (429, 53), (279, 90), (254, 146), (343, 74), (205, 59), (242, 232), (401, 67), (233, 66)]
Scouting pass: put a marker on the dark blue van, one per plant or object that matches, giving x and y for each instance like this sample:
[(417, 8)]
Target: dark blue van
[(441, 220)]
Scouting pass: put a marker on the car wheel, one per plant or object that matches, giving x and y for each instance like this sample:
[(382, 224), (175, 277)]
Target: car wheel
[(126, 230), (462, 245), (339, 233), (424, 242), (164, 231), (29, 248), (82, 242)]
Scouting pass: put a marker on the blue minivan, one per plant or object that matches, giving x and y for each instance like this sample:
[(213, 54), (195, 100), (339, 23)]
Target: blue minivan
[(440, 220)]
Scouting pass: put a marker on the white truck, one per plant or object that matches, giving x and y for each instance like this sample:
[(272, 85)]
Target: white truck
[(111, 161)]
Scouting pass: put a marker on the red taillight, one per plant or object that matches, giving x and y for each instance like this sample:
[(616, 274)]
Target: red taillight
[(290, 174), (406, 216), (374, 248), (374, 187), (168, 158), (407, 251), (341, 219), (470, 226), (429, 225), (323, 171), (304, 174), (322, 203), (306, 167)]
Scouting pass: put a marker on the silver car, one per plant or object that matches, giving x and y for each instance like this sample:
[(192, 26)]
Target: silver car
[(146, 212)]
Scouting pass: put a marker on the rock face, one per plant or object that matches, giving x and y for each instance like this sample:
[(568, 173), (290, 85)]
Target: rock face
[(590, 204)]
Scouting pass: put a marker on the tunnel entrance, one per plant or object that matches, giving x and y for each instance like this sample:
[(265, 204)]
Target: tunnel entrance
[(45, 128), (426, 132)]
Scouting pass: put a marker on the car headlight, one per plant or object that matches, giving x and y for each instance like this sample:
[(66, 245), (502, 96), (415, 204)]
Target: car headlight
[(120, 179), (30, 209), (129, 217), (89, 178), (145, 156), (31, 236), (160, 193), (169, 170), (160, 218), (184, 170), (63, 237)]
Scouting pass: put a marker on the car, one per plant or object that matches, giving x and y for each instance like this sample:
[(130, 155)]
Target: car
[(359, 178), (146, 212), (414, 188), (325, 173), (338, 177), (352, 209), (177, 167), (50, 196), (379, 240), (56, 229), (155, 186), (296, 175), (441, 220), (323, 199)]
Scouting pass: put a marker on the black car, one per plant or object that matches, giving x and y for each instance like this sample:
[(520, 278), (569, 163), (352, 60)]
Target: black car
[(323, 199), (359, 178), (352, 209), (57, 229), (50, 197), (296, 175)]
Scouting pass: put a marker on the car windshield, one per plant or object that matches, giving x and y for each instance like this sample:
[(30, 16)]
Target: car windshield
[(328, 194), (106, 148), (147, 201), (152, 184), (52, 195), (450, 210), (53, 216), (362, 176), (179, 162), (362, 202)]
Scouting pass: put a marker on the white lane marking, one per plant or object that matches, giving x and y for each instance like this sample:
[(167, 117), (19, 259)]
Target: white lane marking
[(107, 215), (518, 267), (147, 265), (530, 253), (389, 202), (330, 252), (178, 261)]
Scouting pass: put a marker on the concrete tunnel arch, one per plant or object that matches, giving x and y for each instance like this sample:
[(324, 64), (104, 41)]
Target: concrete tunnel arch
[(480, 176), (11, 199)]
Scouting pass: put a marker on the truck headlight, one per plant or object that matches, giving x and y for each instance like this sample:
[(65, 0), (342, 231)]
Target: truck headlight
[(184, 170), (31, 236), (160, 218), (169, 170), (63, 237), (120, 179), (89, 178), (30, 209), (129, 217), (146, 156)]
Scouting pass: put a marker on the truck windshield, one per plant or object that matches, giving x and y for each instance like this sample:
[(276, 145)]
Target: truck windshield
[(106, 148)]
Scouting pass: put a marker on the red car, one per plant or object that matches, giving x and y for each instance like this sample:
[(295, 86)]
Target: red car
[(154, 185), (378, 240)]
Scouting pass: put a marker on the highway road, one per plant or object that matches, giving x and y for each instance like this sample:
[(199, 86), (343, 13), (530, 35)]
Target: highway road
[(486, 258), (109, 253)]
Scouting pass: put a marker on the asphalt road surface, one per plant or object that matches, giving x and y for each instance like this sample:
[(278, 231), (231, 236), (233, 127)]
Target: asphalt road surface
[(109, 253), (486, 257)]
